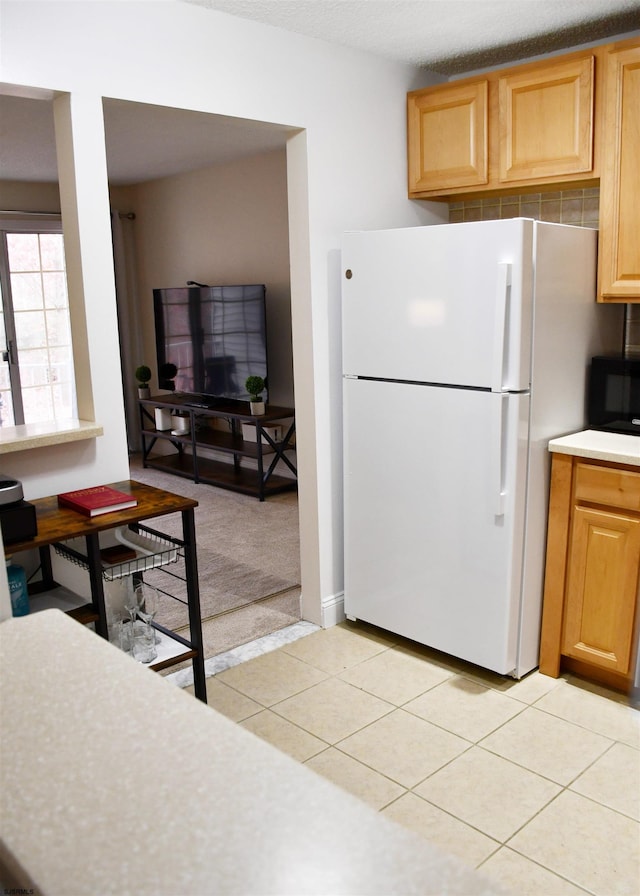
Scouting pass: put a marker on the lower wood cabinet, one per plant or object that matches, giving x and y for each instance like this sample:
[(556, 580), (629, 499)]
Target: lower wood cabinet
[(593, 570), (604, 555)]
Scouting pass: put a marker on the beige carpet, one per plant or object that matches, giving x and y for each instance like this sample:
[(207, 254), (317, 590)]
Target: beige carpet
[(225, 584), (248, 562)]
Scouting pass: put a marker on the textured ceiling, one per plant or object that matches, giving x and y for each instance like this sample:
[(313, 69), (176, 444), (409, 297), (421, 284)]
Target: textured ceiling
[(447, 36)]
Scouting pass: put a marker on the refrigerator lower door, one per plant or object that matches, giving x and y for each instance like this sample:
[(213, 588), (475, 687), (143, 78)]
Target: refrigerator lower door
[(435, 491)]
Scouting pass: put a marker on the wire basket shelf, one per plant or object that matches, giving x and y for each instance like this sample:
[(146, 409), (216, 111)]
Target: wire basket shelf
[(151, 550)]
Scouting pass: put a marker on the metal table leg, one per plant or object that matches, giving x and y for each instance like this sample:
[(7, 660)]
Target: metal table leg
[(193, 594)]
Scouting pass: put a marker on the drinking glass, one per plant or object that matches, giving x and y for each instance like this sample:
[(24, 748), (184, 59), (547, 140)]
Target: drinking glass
[(144, 642), (131, 599), (145, 602)]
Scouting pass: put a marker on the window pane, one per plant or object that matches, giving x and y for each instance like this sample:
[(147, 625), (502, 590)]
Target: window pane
[(60, 364), (63, 400), (6, 408), (24, 251), (38, 404), (34, 367), (26, 290), (58, 331), (30, 330), (55, 290), (52, 251)]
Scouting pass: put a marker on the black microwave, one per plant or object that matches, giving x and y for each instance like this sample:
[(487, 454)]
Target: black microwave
[(614, 394)]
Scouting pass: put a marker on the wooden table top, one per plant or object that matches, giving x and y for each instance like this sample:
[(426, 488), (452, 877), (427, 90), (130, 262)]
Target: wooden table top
[(59, 523)]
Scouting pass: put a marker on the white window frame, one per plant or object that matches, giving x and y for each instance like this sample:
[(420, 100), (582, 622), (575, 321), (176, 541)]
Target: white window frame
[(34, 224)]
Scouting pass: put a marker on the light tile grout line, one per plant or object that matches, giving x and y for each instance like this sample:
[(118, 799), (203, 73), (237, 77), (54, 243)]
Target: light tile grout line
[(456, 673), (502, 846), (294, 632), (470, 743)]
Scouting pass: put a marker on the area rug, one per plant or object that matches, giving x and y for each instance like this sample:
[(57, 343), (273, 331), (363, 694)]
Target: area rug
[(225, 584)]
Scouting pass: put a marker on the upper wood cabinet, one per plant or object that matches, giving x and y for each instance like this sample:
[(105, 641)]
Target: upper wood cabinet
[(524, 127), (619, 255), (545, 120), (448, 130)]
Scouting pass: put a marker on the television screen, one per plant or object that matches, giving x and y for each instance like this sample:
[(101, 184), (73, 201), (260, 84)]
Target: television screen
[(214, 335)]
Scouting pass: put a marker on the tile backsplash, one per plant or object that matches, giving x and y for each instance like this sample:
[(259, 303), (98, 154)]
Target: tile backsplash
[(579, 207), (632, 329)]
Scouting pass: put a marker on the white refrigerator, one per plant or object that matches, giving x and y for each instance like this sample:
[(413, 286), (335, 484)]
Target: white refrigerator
[(465, 349)]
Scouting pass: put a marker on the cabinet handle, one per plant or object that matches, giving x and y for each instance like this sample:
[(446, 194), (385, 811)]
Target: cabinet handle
[(503, 291)]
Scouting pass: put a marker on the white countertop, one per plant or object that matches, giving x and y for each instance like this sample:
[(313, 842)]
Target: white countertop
[(115, 781), (600, 445)]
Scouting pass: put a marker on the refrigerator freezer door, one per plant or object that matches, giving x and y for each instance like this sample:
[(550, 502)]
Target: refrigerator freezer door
[(447, 303), (435, 486)]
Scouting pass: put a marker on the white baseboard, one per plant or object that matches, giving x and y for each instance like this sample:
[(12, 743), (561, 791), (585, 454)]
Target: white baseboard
[(333, 610)]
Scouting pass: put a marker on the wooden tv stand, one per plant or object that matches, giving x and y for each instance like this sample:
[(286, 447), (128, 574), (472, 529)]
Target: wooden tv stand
[(189, 457)]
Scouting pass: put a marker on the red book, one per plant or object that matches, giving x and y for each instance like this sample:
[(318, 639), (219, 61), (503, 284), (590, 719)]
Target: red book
[(96, 500)]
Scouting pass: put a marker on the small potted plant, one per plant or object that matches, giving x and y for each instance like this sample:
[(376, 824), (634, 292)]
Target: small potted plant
[(166, 376), (143, 375), (255, 387)]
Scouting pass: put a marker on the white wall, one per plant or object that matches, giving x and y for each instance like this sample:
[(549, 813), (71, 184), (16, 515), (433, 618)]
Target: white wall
[(29, 196), (346, 170)]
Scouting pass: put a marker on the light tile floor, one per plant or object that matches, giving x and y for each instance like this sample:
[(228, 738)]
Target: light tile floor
[(537, 782)]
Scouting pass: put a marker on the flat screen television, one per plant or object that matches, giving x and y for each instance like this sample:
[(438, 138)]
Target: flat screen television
[(215, 335)]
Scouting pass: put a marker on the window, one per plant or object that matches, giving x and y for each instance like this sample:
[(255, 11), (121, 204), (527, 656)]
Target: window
[(36, 368)]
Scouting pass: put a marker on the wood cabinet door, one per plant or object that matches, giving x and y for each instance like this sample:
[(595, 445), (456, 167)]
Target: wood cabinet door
[(619, 273), (447, 137), (545, 120), (602, 588)]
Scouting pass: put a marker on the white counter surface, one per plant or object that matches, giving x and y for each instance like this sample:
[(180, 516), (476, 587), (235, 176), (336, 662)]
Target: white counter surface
[(612, 446), (114, 781), (53, 432)]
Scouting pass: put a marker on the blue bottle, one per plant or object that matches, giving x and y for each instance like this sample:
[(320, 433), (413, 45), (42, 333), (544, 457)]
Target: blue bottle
[(17, 588)]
